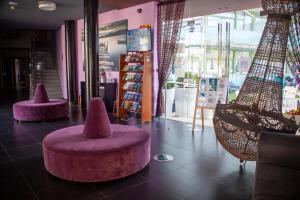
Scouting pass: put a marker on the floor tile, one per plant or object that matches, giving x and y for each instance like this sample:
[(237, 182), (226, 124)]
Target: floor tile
[(113, 187), (70, 191), (25, 152), (12, 184), (145, 191), (234, 186), (18, 142), (182, 182), (157, 169)]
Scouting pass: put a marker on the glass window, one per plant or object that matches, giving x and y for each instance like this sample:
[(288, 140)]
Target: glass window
[(198, 55)]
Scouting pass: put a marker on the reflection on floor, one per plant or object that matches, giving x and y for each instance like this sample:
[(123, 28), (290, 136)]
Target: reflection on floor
[(188, 118), (189, 121), (201, 168)]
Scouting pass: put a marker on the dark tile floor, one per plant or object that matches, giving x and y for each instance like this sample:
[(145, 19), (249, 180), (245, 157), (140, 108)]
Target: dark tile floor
[(201, 170)]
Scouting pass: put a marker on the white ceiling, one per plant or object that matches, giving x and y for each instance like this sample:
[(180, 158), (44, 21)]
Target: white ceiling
[(195, 8)]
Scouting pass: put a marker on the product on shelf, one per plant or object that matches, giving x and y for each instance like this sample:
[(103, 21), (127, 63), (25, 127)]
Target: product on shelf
[(134, 57), (133, 77), (131, 105), (132, 67), (135, 106), (132, 96), (133, 87)]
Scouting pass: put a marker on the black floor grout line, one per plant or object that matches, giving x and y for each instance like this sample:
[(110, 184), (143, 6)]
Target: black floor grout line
[(98, 190), (30, 135), (128, 188), (165, 190), (19, 171)]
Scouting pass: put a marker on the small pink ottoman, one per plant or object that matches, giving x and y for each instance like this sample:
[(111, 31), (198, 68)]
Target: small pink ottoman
[(30, 111), (41, 108), (96, 151)]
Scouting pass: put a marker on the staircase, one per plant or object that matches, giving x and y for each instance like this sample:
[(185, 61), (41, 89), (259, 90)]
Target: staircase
[(43, 71), (43, 67), (50, 78)]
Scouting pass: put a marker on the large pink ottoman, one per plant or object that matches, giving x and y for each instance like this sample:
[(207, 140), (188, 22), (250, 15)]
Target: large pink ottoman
[(96, 151), (41, 108)]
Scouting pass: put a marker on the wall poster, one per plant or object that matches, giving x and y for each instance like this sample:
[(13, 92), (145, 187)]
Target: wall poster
[(112, 43), (212, 90)]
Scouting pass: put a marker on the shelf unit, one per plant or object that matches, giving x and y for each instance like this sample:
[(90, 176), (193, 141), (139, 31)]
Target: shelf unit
[(144, 92)]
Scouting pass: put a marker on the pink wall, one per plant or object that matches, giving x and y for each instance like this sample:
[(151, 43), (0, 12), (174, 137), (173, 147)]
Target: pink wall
[(148, 16), (61, 61)]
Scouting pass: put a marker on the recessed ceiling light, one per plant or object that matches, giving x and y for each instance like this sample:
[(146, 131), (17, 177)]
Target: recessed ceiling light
[(13, 5), (47, 5)]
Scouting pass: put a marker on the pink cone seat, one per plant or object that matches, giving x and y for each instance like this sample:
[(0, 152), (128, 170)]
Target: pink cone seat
[(97, 151), (41, 108), (40, 95)]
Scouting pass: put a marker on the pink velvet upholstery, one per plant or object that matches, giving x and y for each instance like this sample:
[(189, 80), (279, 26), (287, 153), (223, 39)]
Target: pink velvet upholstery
[(30, 111), (71, 156), (41, 108), (95, 128), (96, 151), (40, 94)]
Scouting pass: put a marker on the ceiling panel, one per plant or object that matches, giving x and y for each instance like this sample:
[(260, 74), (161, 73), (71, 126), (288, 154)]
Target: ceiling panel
[(28, 16)]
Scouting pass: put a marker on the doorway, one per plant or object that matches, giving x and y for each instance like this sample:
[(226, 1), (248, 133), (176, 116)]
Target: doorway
[(14, 73)]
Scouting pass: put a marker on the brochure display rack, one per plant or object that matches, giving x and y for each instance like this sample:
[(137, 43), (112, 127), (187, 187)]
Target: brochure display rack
[(135, 85)]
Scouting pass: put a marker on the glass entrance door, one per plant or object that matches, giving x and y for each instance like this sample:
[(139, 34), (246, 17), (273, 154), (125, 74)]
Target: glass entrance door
[(201, 53), (189, 63)]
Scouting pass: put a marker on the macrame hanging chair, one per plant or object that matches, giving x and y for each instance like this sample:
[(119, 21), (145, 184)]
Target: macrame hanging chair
[(293, 51), (259, 104)]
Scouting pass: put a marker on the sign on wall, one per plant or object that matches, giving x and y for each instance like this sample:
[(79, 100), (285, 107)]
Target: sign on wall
[(139, 40)]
